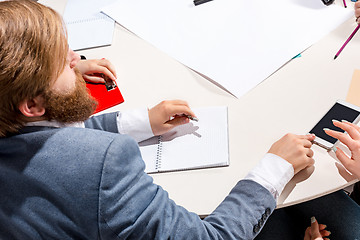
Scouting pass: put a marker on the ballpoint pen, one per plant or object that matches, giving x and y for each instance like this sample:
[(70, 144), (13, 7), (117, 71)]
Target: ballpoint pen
[(347, 41), (185, 115), (198, 2), (190, 117), (344, 3)]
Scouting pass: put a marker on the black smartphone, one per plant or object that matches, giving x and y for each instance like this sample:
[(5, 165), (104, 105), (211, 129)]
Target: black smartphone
[(341, 110)]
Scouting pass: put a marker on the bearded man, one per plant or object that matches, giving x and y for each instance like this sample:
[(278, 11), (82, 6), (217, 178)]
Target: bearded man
[(67, 175)]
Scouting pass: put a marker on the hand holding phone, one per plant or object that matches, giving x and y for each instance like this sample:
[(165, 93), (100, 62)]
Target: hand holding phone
[(350, 156), (341, 110)]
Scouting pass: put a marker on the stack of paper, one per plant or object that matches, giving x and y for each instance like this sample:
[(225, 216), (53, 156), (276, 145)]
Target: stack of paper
[(87, 27), (237, 43)]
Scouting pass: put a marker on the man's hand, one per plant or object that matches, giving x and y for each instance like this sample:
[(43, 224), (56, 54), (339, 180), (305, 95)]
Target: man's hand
[(295, 149), (168, 114), (91, 70)]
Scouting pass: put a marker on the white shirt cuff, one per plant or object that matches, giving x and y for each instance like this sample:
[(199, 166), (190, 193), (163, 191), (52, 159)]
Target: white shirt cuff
[(135, 123), (273, 173)]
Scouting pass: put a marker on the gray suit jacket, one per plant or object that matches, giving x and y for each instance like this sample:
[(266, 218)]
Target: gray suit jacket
[(74, 183)]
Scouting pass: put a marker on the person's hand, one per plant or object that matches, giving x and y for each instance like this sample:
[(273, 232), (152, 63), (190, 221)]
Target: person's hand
[(352, 141), (316, 231), (91, 70), (168, 114), (295, 149), (357, 11)]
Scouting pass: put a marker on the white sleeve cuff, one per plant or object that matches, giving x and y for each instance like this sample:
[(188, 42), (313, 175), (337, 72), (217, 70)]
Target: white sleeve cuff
[(273, 173), (135, 123)]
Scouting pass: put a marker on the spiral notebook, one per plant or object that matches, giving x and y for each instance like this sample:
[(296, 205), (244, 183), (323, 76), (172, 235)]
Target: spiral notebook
[(195, 145)]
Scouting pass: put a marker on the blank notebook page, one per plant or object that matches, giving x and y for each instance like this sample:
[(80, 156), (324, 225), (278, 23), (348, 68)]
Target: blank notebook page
[(193, 145)]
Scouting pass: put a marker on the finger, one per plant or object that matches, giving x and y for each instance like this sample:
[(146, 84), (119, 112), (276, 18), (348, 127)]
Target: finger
[(325, 233), (176, 122), (307, 234), (309, 153), (353, 125), (306, 143), (344, 159), (311, 162), (357, 9), (315, 232), (357, 12), (344, 173), (343, 137), (177, 102), (172, 108), (97, 68), (106, 71), (179, 110), (349, 128), (309, 137), (94, 79), (107, 64), (322, 227)]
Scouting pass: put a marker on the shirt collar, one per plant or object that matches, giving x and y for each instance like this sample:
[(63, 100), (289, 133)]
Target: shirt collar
[(55, 124)]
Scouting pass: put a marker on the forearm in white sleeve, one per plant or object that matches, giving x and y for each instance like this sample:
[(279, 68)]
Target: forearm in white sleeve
[(135, 123), (273, 173)]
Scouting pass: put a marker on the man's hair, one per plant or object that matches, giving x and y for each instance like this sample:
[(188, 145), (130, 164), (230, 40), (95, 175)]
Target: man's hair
[(33, 51)]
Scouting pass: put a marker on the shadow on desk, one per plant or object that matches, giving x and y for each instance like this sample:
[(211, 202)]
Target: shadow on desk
[(299, 177)]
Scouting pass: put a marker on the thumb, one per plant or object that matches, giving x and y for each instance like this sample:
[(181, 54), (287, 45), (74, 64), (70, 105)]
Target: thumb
[(178, 120), (315, 232)]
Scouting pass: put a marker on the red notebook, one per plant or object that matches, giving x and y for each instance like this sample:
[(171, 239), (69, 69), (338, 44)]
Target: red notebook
[(105, 98)]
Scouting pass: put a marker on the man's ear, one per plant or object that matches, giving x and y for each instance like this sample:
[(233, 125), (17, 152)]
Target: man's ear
[(32, 107)]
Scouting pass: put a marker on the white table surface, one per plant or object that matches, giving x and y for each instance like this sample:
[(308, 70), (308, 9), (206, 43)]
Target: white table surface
[(292, 100)]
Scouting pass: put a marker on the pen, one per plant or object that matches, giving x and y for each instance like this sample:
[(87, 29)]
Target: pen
[(198, 2), (190, 117), (344, 3), (347, 41)]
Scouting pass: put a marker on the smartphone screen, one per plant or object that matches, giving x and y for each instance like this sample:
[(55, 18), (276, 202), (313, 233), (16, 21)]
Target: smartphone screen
[(337, 112)]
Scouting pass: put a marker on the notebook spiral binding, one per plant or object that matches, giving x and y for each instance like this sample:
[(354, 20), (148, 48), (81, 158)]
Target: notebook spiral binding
[(88, 20), (158, 153)]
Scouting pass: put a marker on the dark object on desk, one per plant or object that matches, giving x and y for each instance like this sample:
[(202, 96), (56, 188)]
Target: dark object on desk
[(355, 195), (327, 2), (109, 84), (198, 2), (347, 41), (105, 97)]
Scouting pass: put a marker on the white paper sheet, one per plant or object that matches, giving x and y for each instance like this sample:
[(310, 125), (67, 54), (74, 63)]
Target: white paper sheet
[(193, 145), (236, 43), (87, 27)]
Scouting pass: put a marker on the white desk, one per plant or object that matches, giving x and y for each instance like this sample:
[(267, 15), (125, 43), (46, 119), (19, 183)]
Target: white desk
[(293, 99)]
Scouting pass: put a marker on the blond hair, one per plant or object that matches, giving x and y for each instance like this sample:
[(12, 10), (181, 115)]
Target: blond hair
[(33, 50)]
